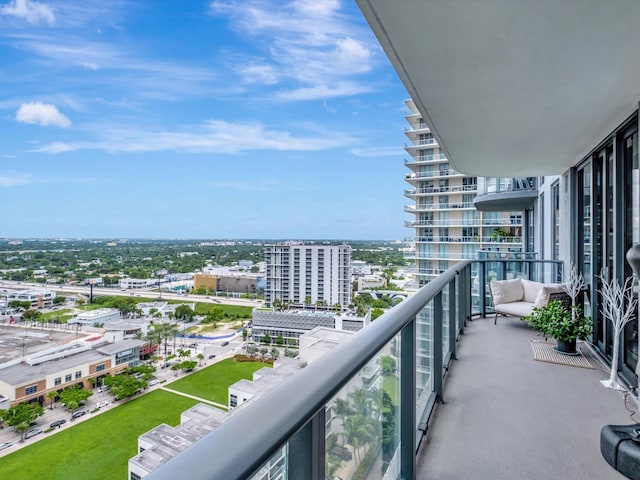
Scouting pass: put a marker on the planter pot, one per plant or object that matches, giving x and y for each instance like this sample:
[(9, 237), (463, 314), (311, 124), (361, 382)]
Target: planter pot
[(567, 348)]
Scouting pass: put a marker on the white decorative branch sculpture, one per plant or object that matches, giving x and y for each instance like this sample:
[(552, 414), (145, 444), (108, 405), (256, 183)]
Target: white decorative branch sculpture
[(573, 286), (618, 306)]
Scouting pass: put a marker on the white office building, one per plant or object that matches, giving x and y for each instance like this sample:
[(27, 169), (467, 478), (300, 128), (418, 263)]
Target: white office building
[(308, 274)]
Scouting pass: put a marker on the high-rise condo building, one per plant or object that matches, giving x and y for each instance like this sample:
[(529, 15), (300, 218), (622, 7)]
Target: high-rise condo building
[(300, 274), (447, 225)]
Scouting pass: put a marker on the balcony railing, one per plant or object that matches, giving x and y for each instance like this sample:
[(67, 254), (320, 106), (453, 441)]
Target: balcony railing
[(437, 206), (365, 404), (491, 222), (425, 158)]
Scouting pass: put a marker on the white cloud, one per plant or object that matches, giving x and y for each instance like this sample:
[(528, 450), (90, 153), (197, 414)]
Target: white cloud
[(264, 74), (214, 136), (32, 12), (324, 91), (58, 147), (309, 47), (20, 179), (12, 180), (41, 114), (378, 152)]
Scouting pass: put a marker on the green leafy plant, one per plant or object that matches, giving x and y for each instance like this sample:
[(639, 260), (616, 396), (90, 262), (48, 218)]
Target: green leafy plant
[(555, 320)]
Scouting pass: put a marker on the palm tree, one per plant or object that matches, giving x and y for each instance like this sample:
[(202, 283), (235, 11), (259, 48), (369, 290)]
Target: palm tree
[(21, 428), (52, 396)]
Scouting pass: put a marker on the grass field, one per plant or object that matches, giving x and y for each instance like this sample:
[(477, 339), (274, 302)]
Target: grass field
[(212, 382), (62, 315), (239, 310), (98, 448)]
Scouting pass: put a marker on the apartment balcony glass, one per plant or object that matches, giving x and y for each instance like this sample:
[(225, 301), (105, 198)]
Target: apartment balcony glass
[(498, 194)]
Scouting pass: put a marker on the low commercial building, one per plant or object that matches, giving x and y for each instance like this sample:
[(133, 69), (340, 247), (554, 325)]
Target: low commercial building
[(227, 282), (158, 446), (370, 281), (292, 323), (98, 317), (205, 280), (319, 341), (37, 298), (32, 378), (132, 283)]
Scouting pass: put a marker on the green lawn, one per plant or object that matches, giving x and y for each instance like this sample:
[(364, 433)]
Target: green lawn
[(98, 448), (62, 315), (390, 385), (239, 310), (212, 382)]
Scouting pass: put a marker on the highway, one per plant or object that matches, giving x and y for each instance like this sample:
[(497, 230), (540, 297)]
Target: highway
[(105, 291)]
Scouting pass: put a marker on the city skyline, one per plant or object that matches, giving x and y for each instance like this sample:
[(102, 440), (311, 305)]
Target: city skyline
[(202, 119)]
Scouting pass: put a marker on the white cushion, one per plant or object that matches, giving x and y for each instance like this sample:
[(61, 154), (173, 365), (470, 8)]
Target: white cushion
[(531, 290), (506, 291), (543, 295), (517, 309)]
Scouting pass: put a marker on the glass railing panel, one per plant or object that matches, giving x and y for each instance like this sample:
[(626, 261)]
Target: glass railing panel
[(517, 270), (363, 423), (423, 359), (445, 324), (275, 468)]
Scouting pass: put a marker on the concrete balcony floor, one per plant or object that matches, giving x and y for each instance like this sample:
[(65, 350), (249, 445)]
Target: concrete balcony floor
[(507, 416)]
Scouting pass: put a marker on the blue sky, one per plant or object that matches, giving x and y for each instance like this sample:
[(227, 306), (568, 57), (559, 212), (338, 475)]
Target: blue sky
[(198, 119)]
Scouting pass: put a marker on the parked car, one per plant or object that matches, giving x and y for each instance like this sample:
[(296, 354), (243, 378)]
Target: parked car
[(154, 382), (78, 414), (213, 355), (57, 423), (224, 344), (5, 445), (102, 404), (32, 433)]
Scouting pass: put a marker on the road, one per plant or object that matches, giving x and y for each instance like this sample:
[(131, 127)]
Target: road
[(103, 291)]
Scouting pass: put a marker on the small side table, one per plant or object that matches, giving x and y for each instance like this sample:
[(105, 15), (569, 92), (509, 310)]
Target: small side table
[(620, 450)]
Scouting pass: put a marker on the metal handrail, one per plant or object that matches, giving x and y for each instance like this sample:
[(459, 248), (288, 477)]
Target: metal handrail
[(270, 424)]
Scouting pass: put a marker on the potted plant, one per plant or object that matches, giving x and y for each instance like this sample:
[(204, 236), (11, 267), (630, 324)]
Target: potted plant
[(565, 325)]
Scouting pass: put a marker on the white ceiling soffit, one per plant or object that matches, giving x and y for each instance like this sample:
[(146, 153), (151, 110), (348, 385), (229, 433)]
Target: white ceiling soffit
[(514, 88)]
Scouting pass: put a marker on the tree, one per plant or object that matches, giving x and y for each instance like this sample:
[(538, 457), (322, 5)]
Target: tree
[(376, 312), (21, 416), (58, 300), (125, 385), (31, 314), (266, 338), (19, 304), (162, 333), (275, 353), (280, 340), (200, 358), (388, 365), (184, 312), (52, 397), (73, 397)]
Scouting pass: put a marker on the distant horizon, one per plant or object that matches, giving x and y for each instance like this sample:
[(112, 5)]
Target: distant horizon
[(208, 119), (12, 238)]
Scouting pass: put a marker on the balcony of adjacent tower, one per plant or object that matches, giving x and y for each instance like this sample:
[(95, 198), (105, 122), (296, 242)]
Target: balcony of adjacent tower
[(497, 194), (421, 160), (436, 190)]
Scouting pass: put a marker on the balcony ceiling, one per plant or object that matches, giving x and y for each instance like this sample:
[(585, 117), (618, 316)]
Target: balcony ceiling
[(514, 88)]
